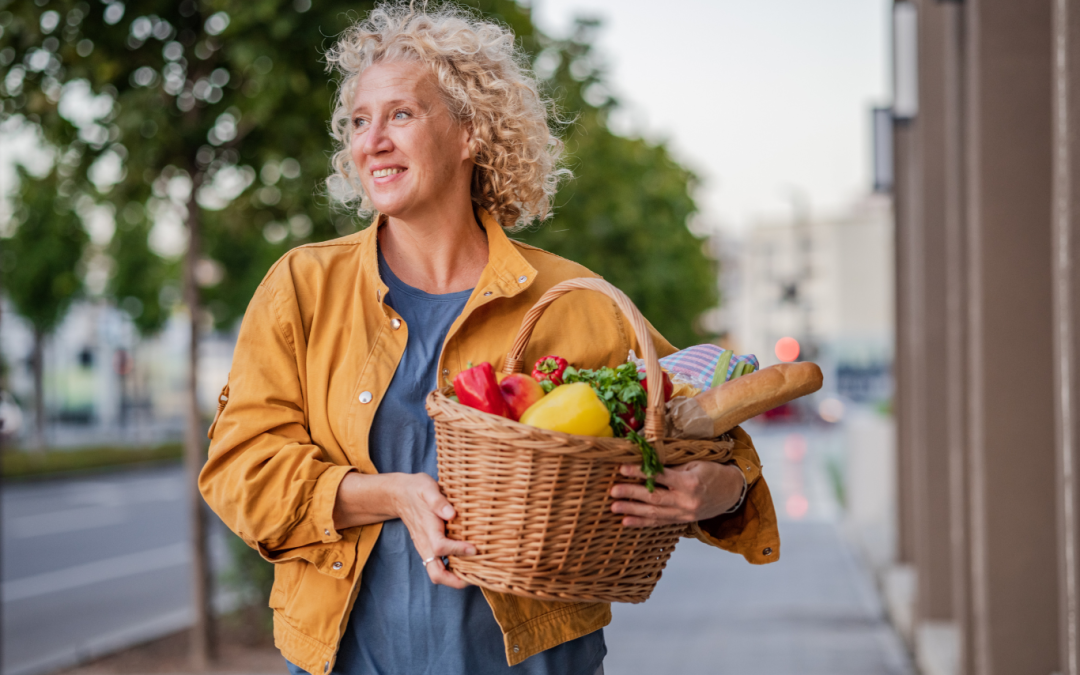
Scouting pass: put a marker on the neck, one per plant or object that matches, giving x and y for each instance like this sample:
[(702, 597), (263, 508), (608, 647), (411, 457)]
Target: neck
[(443, 253)]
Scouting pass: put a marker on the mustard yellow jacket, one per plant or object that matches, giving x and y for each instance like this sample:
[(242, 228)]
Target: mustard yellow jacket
[(316, 352)]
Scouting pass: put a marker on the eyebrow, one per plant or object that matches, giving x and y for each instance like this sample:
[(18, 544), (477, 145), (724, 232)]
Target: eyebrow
[(395, 102)]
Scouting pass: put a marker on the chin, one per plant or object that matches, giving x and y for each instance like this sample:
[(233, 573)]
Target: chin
[(390, 207)]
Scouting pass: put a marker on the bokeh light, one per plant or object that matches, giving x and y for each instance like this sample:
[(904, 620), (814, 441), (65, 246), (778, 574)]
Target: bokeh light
[(831, 410), (787, 349), (795, 447), (797, 505)]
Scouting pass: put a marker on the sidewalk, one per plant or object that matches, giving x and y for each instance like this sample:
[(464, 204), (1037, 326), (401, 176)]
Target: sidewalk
[(815, 612)]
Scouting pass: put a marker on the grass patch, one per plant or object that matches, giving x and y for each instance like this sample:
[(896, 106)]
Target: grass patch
[(31, 464)]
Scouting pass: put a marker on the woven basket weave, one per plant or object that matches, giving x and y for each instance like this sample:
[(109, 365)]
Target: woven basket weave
[(536, 503)]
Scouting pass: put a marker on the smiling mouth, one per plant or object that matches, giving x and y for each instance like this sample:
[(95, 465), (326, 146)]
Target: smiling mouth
[(382, 173)]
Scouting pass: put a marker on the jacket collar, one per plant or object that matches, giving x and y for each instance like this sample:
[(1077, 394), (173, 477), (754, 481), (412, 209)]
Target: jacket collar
[(506, 274)]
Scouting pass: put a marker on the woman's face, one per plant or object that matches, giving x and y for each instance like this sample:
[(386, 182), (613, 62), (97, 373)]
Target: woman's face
[(410, 153)]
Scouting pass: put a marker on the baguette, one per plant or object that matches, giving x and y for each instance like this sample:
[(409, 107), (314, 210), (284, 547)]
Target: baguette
[(736, 401)]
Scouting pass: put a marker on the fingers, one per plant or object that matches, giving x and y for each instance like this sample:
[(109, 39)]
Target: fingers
[(443, 547), (431, 538), (661, 496), (648, 515), (425, 517), (438, 503), (438, 574), (671, 476), (672, 502)]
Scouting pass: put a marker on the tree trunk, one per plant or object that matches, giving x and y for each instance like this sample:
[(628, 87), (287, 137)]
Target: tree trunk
[(202, 640), (37, 361)]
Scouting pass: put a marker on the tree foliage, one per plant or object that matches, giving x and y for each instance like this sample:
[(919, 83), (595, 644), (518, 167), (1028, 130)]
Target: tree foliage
[(41, 258), (223, 106)]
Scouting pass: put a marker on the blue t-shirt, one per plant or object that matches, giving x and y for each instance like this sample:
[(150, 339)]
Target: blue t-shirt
[(402, 624)]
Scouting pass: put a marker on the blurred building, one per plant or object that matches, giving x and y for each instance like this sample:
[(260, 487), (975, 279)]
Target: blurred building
[(106, 385), (827, 282), (987, 171)]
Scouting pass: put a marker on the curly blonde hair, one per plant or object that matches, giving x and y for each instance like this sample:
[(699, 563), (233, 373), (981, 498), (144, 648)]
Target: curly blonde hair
[(486, 83)]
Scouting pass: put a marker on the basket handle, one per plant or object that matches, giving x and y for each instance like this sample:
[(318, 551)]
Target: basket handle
[(654, 413)]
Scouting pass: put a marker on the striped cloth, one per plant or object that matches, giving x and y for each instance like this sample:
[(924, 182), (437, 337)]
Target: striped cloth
[(696, 365)]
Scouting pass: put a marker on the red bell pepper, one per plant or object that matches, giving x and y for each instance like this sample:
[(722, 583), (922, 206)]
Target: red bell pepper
[(669, 388), (550, 368), (477, 388)]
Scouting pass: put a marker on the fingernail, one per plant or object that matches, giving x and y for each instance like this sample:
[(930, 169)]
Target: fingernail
[(447, 512), (470, 551)]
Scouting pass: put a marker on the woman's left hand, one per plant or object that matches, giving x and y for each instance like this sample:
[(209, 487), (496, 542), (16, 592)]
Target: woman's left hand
[(684, 494)]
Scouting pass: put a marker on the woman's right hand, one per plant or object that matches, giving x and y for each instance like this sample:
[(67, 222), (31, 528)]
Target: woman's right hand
[(415, 498), (422, 507)]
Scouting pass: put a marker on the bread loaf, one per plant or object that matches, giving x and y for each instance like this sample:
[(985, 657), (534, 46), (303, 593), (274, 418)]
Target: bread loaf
[(738, 400)]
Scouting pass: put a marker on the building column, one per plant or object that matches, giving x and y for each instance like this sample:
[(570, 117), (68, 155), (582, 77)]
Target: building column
[(1065, 243), (906, 403), (1014, 571), (931, 467), (956, 333)]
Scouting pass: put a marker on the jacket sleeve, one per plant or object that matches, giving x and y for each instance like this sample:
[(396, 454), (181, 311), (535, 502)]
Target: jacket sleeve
[(751, 530), (264, 477)]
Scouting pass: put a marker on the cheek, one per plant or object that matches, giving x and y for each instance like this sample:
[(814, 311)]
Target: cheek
[(356, 145)]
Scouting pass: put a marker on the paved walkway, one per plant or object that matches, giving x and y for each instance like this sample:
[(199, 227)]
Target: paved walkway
[(815, 612)]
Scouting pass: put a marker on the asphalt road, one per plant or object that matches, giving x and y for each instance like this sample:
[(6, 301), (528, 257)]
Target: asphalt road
[(93, 564)]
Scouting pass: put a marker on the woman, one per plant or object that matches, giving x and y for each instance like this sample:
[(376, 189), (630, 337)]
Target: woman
[(323, 457)]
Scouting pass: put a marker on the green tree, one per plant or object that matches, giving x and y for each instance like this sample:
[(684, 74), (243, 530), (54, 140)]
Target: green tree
[(39, 265)]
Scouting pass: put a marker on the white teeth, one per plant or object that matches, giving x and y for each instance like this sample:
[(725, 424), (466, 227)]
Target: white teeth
[(385, 172)]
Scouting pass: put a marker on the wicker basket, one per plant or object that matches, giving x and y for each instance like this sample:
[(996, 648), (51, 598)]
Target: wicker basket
[(536, 503)]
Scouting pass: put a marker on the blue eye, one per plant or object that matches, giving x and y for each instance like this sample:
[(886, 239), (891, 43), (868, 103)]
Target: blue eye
[(358, 122), (401, 114)]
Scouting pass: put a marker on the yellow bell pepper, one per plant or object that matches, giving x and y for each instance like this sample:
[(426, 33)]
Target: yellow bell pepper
[(570, 408)]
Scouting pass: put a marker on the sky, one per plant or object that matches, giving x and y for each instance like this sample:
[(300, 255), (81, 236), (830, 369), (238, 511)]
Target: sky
[(763, 99)]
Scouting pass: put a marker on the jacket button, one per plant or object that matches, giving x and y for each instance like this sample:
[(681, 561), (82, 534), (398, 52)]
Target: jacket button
[(326, 666), (516, 649), (487, 294), (365, 397), (395, 323), (337, 565), (326, 532), (522, 279), (767, 551)]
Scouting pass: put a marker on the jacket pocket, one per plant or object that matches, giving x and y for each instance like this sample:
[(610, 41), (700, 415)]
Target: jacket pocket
[(287, 578)]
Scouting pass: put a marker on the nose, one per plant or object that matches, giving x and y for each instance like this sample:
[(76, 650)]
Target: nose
[(376, 140)]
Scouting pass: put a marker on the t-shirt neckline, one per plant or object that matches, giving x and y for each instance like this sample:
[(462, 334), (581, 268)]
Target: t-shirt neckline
[(394, 283)]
